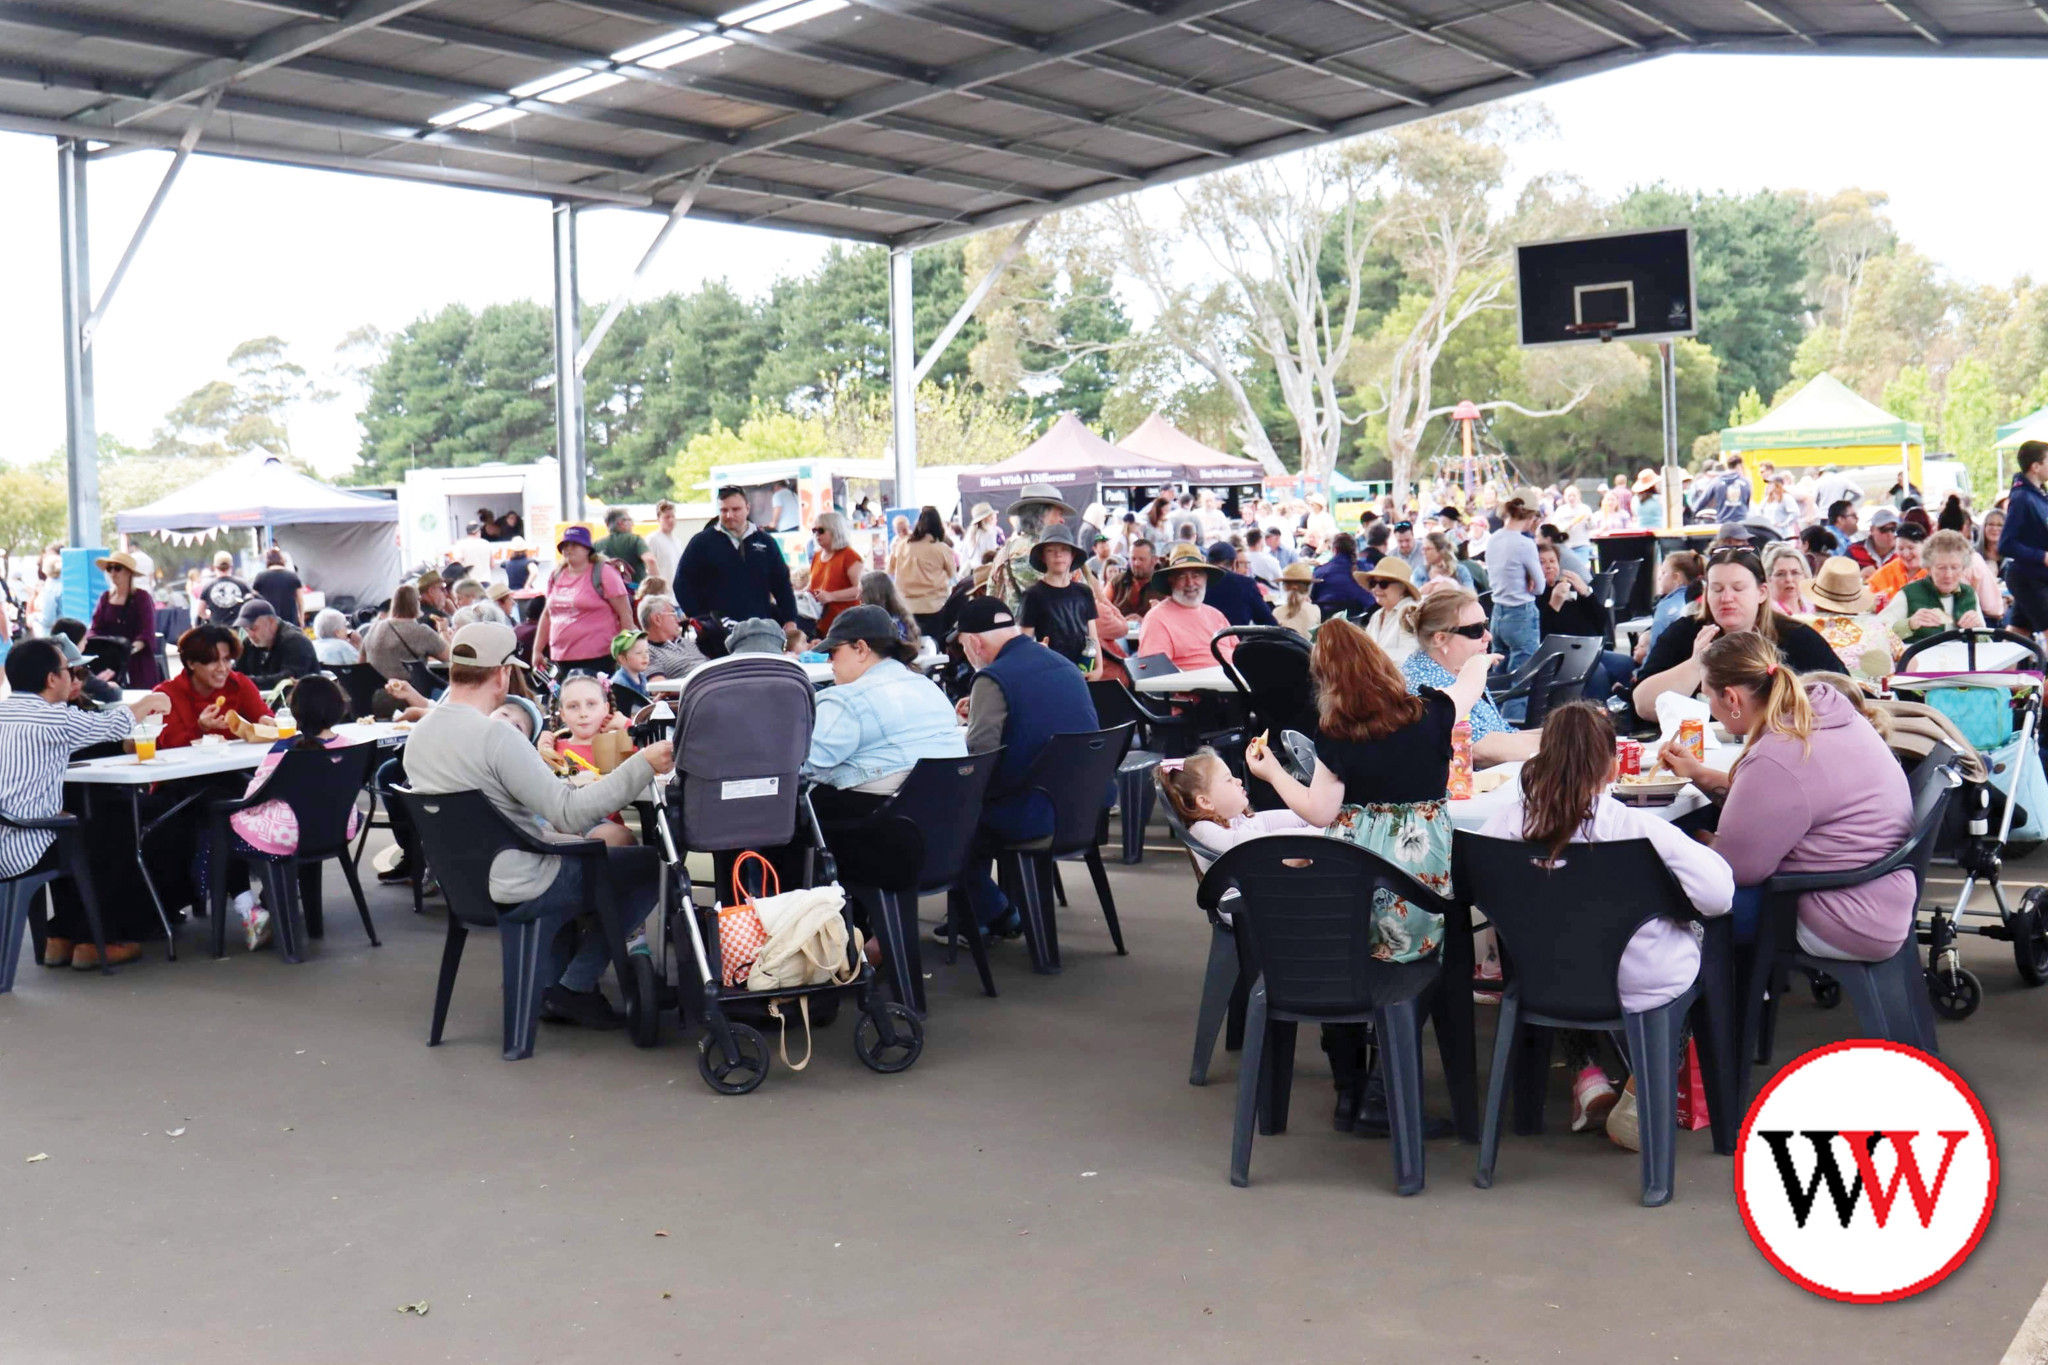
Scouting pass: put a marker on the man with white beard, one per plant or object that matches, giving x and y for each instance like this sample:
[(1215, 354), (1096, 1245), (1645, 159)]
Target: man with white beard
[(1181, 626)]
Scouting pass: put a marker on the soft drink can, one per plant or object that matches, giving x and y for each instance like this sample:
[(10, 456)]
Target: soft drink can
[(1629, 753), (1692, 737)]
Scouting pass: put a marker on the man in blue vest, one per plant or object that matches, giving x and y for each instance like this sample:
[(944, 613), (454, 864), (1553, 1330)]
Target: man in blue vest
[(1023, 695)]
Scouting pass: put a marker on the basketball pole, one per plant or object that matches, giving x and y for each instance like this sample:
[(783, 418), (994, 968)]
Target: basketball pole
[(1674, 482)]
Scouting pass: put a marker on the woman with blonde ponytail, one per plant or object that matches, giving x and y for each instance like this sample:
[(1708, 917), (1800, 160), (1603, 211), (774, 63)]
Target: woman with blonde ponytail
[(1815, 790)]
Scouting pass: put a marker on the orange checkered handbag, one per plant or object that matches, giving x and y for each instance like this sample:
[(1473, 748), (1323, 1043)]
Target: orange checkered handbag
[(740, 935)]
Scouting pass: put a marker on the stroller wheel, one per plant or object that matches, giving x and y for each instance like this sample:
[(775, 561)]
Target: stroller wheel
[(744, 1075), (643, 1005), (2030, 937), (1956, 994), (1827, 992), (901, 1051)]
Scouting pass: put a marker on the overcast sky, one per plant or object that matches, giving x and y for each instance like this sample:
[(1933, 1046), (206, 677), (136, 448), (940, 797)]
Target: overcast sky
[(244, 250)]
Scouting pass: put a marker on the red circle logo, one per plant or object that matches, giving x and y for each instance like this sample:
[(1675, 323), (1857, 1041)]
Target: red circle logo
[(1866, 1171)]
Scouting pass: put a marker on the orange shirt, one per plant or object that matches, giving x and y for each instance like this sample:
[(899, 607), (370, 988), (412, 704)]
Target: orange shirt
[(1891, 578), (835, 572)]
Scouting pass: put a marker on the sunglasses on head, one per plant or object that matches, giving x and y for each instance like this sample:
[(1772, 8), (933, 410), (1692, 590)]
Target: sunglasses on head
[(1476, 631)]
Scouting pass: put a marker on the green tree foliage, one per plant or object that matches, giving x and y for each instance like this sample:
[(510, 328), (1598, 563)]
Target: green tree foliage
[(239, 414), (1971, 410), (32, 511), (1749, 407), (459, 388), (765, 434), (1750, 255)]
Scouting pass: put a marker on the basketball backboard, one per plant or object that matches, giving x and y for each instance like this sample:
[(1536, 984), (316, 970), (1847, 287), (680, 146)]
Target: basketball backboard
[(1626, 286)]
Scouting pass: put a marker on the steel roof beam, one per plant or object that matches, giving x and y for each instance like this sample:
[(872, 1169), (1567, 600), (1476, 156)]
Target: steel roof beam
[(1417, 27), (992, 142), (1684, 33), (1916, 19), (1778, 15), (966, 76), (1594, 20), (1237, 35)]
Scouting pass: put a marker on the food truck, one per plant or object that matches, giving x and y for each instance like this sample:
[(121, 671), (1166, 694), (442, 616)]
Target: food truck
[(435, 505)]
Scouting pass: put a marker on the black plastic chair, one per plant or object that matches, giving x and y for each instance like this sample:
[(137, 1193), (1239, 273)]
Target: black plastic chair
[(320, 786), (385, 778), (1303, 920), (1555, 674), (627, 701), (1626, 572), (1563, 929), (18, 895), (422, 678), (1603, 594), (915, 846), (105, 653), (1890, 997), (1225, 988), (462, 833), (1072, 772), (362, 683), (1270, 669), (1156, 737)]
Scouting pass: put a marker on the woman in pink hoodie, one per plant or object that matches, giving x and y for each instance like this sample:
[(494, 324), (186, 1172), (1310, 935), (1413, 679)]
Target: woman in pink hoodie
[(1816, 790)]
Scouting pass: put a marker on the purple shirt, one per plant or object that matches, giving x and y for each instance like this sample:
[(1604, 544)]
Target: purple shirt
[(1834, 802), (135, 620)]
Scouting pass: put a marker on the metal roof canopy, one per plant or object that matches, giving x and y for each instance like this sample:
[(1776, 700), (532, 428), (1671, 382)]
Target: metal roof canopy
[(897, 122)]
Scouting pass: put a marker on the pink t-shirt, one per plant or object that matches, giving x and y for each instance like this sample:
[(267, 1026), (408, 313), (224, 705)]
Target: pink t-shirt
[(581, 622), (1182, 634)]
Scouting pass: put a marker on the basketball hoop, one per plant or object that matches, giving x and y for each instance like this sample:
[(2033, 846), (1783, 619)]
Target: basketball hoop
[(1603, 330)]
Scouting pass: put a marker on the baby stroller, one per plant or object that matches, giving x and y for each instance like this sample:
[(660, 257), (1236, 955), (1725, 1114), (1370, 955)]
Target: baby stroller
[(1994, 700), (742, 729)]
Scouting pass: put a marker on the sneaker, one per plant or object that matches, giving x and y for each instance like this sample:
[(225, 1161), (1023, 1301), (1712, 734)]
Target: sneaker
[(1621, 1120), (560, 1005), (1592, 1097), (943, 935), (86, 958), (57, 952), (401, 871), (1009, 926)]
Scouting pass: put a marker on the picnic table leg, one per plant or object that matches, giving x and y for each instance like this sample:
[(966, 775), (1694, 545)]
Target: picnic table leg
[(141, 865)]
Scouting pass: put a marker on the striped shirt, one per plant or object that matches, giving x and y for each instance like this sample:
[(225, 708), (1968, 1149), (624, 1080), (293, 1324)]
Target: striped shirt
[(37, 739)]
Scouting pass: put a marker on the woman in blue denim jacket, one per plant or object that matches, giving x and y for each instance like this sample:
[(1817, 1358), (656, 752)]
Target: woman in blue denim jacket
[(878, 719)]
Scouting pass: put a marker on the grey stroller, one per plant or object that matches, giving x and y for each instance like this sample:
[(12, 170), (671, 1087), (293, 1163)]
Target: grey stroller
[(743, 727)]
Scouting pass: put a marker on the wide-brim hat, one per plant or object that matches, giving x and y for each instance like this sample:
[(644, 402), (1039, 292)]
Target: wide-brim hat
[(1392, 569), (1039, 494), (122, 560), (575, 535), (1300, 571), (1839, 586), (1053, 535), (1188, 555), (982, 512), (1646, 481)]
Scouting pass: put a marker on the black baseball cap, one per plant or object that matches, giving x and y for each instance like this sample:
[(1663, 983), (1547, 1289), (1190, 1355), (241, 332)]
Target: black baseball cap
[(1912, 530), (979, 615), (863, 622)]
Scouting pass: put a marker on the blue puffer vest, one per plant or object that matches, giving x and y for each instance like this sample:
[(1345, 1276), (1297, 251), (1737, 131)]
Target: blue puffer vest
[(1046, 696)]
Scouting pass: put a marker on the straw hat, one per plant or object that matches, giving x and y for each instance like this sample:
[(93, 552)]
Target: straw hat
[(1646, 481), (118, 561), (1300, 571), (982, 512), (1839, 586), (1039, 494), (1392, 569), (1188, 555)]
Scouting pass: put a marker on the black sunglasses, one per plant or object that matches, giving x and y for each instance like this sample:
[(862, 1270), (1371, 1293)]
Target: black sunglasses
[(1404, 526), (1472, 632)]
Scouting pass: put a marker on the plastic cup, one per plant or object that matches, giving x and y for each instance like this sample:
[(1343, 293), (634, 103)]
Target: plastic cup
[(145, 748)]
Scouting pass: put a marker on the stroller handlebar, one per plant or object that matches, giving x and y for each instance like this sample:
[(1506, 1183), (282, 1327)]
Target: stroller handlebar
[(1972, 637)]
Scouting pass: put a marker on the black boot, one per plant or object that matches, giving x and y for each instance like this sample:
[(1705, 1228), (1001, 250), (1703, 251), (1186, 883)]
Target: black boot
[(1372, 1113), (1344, 1044)]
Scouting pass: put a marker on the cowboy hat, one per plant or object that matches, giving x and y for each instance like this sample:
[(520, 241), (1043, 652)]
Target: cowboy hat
[(1839, 586), (1187, 555), (1055, 535), (1300, 571), (982, 512), (1039, 494), (1392, 569), (118, 561), (1646, 480)]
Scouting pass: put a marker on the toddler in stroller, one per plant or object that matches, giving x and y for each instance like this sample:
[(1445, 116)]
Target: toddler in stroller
[(743, 728)]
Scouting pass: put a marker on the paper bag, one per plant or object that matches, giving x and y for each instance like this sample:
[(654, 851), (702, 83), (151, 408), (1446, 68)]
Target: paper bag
[(610, 748)]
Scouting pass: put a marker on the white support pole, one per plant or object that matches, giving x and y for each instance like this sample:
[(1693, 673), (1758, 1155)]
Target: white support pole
[(612, 309), (972, 302), (568, 375), (902, 375), (81, 436), (1674, 479), (163, 190)]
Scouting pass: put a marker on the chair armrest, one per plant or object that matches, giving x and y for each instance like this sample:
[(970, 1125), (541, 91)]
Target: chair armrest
[(50, 822)]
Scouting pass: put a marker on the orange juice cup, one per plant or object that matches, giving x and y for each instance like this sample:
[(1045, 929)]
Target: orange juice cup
[(287, 731), (145, 748)]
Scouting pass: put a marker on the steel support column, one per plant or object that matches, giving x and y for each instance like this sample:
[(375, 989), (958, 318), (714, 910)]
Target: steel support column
[(903, 376), (568, 378), (81, 433), (1674, 479)]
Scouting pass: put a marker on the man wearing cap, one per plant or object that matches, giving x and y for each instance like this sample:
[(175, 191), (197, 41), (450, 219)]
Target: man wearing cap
[(224, 593), (878, 720), (1877, 547), (273, 649), (1234, 594), (1182, 625), (732, 570), (1023, 695), (437, 604), (458, 747), (1040, 507)]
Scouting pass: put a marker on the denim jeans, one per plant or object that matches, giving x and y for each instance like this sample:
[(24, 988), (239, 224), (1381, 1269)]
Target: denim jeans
[(634, 875), (1516, 634), (1746, 911)]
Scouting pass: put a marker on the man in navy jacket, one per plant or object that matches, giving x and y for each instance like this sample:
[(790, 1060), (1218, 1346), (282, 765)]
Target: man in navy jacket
[(1236, 595), (2025, 539), (733, 570), (1335, 588)]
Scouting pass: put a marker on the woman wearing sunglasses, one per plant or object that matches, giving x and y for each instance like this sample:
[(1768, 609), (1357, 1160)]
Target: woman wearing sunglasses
[(1736, 599), (1450, 628)]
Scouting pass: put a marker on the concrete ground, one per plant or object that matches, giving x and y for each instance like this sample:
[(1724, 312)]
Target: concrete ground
[(1043, 1186)]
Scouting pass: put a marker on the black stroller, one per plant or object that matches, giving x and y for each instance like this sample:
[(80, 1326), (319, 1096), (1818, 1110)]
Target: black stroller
[(743, 727)]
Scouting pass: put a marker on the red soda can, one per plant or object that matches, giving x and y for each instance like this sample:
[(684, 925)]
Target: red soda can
[(1629, 753)]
